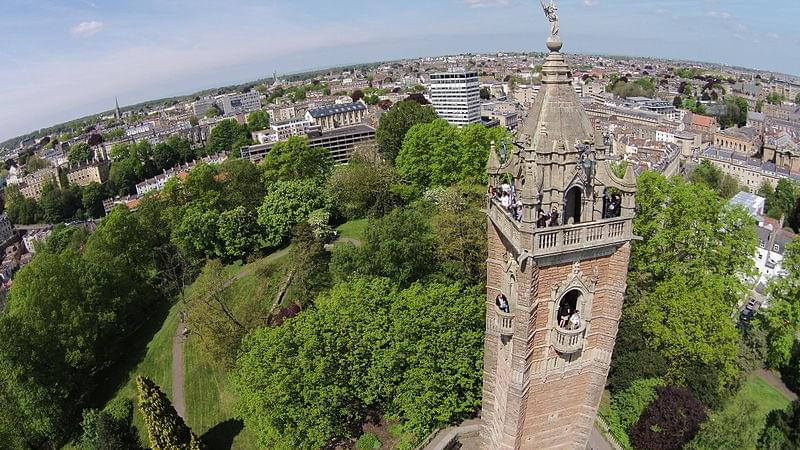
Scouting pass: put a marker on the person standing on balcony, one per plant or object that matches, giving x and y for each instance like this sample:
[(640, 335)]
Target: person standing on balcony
[(505, 200), (575, 321), (553, 217), (541, 220)]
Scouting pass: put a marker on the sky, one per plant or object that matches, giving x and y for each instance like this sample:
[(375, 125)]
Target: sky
[(60, 59)]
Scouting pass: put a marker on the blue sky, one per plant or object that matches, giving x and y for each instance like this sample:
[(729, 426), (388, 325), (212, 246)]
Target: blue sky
[(64, 59)]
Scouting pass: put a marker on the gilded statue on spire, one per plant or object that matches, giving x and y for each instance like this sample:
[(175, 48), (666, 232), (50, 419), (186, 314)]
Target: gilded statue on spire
[(550, 12)]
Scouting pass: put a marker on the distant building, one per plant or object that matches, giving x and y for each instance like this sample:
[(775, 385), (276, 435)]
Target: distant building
[(339, 142), (772, 239), (336, 116), (34, 238), (200, 107), (241, 103), (157, 182), (88, 173), (659, 107), (31, 186), (455, 96), (750, 172), (6, 229), (744, 140)]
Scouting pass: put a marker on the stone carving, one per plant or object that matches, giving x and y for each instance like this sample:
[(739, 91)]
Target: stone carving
[(550, 12)]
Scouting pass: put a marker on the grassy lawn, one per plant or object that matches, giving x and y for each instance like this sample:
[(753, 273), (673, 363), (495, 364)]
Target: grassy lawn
[(353, 229), (762, 394)]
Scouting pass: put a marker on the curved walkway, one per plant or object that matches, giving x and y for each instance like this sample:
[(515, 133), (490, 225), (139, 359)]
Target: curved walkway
[(178, 398)]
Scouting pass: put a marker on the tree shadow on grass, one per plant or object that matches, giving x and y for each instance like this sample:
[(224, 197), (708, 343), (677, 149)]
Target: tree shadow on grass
[(222, 434), (110, 381)]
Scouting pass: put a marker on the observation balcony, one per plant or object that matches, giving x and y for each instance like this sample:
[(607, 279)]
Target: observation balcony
[(563, 238), (568, 341), (502, 322)]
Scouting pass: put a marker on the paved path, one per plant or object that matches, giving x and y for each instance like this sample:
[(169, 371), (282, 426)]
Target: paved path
[(178, 398), (775, 381), (597, 441)]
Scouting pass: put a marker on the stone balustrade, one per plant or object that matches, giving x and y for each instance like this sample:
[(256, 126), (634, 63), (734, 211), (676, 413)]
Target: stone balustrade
[(502, 323), (559, 239), (568, 341)]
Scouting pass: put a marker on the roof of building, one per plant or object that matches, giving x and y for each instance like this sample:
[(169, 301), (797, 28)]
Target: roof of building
[(753, 203), (769, 168), (746, 133), (702, 121), (331, 110)]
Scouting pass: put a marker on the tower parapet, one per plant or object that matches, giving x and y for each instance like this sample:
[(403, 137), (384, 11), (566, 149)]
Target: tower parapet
[(559, 227)]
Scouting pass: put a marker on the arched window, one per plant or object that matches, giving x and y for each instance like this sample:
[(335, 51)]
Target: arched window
[(567, 306), (572, 206)]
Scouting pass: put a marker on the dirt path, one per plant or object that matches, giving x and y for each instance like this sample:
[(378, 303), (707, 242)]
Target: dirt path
[(178, 398), (775, 381), (178, 340)]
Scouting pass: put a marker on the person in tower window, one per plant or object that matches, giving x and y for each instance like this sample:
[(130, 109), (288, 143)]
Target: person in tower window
[(553, 217), (518, 209), (502, 303), (563, 318), (541, 220), (575, 320)]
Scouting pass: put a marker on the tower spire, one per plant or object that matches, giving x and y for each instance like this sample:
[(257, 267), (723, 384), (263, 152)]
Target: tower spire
[(117, 112)]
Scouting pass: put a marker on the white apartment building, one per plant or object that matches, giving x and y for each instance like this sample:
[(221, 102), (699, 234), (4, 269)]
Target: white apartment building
[(241, 103), (456, 96)]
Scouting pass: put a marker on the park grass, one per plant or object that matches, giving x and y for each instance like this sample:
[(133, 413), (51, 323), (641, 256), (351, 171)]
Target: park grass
[(353, 229), (766, 397)]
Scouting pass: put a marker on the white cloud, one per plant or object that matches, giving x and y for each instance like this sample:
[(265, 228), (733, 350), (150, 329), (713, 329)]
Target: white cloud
[(590, 2), (485, 3), (774, 36), (86, 28), (719, 15)]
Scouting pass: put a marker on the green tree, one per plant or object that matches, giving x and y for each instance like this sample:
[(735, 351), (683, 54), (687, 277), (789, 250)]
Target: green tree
[(111, 428), (228, 136), (439, 154), (213, 318), (735, 426), (460, 230), (258, 120), (197, 234), (782, 318), (365, 346), (294, 159), (632, 401), (92, 200), (775, 98), (239, 234), (213, 111), (242, 184), (166, 156), (399, 246), (79, 153), (287, 204), (781, 202), (677, 102), (362, 187), (165, 428), (485, 93), (34, 163), (782, 430), (395, 123)]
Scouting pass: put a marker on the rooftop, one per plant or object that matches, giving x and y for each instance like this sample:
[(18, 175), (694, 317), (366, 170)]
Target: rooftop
[(330, 110)]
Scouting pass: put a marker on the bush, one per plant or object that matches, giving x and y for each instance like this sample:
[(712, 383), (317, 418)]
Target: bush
[(368, 441), (669, 422), (630, 403)]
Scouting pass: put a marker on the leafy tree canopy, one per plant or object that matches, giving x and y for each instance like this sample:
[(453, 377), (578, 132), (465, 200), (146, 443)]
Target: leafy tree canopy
[(294, 159), (396, 122)]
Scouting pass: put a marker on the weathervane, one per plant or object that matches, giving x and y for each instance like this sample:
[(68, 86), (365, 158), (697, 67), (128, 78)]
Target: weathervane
[(550, 13)]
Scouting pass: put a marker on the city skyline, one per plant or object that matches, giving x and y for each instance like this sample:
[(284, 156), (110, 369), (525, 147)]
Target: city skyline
[(83, 54)]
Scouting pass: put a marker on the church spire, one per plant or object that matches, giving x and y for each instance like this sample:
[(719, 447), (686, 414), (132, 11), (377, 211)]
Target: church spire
[(117, 112)]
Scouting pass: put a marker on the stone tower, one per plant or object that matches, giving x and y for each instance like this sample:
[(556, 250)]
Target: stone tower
[(548, 353)]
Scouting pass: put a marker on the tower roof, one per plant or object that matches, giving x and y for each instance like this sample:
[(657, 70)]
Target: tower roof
[(557, 121)]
